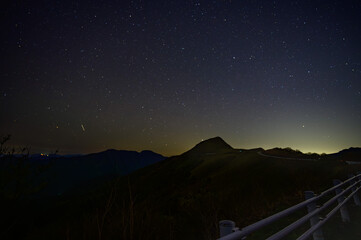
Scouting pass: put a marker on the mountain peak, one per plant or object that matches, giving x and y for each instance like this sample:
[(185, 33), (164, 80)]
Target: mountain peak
[(212, 145), (214, 140)]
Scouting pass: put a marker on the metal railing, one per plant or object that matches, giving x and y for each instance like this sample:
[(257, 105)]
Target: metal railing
[(344, 192)]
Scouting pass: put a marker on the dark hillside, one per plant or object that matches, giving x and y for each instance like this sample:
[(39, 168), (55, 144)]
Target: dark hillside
[(351, 154), (66, 173)]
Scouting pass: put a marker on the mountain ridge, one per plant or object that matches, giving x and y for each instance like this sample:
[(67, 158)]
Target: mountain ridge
[(65, 173)]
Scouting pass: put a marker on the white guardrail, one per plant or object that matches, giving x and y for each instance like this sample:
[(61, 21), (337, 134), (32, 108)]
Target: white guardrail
[(344, 192)]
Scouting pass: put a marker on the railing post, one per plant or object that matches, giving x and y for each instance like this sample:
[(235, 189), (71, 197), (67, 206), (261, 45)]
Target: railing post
[(343, 210), (356, 199), (226, 227), (318, 234)]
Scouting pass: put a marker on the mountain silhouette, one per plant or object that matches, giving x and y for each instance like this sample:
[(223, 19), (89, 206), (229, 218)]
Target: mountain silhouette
[(350, 154), (68, 172), (211, 146)]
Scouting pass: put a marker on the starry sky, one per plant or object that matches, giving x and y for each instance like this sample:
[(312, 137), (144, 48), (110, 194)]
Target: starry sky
[(86, 76)]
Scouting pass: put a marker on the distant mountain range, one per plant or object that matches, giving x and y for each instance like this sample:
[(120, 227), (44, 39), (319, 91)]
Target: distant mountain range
[(64, 173), (70, 171), (348, 155), (217, 145)]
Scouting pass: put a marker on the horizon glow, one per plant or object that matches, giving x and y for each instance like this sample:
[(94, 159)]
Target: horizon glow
[(163, 75)]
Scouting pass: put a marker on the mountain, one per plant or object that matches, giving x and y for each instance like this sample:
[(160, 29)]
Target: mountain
[(185, 196), (65, 173), (348, 155), (211, 146)]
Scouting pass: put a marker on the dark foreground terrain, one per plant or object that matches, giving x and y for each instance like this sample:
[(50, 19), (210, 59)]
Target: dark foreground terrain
[(183, 197)]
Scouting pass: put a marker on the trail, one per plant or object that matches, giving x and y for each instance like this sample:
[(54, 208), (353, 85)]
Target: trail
[(297, 159)]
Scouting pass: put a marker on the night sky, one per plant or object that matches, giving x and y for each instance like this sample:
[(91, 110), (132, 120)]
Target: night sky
[(85, 76)]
